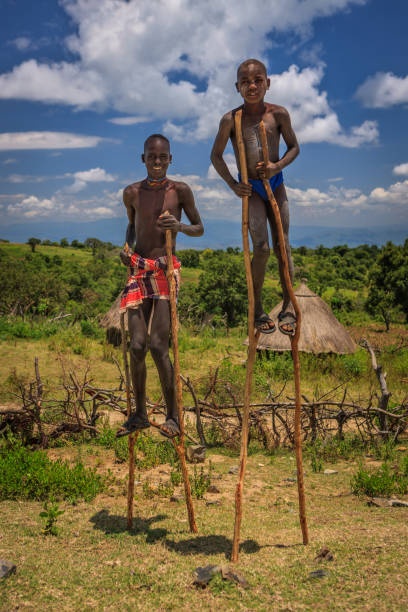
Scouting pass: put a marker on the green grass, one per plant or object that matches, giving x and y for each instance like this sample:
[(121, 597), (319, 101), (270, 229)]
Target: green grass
[(96, 563)]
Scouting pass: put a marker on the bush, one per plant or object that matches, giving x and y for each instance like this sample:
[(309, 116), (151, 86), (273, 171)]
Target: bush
[(384, 481), (26, 474)]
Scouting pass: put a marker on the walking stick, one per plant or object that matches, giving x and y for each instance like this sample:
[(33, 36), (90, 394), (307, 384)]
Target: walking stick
[(179, 446), (132, 437), (252, 342), (294, 340)]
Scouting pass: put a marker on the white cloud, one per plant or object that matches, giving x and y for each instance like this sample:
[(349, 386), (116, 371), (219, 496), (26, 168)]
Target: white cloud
[(128, 120), (312, 117), (382, 90), (119, 68), (396, 194), (82, 178), (353, 201), (25, 178), (229, 159), (22, 43), (215, 200), (31, 206), (62, 206), (315, 205), (402, 169), (10, 141)]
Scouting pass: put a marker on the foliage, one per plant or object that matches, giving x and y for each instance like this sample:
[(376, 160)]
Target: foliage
[(26, 474), (33, 242), (148, 451), (333, 449), (222, 289), (84, 279), (190, 258), (50, 515), (53, 281), (385, 480), (388, 287), (200, 480)]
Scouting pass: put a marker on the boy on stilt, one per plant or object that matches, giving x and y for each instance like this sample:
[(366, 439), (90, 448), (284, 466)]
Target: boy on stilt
[(153, 205), (253, 83)]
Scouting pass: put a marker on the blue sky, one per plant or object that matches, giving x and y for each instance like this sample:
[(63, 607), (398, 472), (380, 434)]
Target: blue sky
[(84, 82)]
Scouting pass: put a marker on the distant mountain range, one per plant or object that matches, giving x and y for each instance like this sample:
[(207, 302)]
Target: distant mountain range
[(218, 234)]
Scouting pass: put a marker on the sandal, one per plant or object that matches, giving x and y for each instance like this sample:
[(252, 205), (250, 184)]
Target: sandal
[(264, 324), (170, 429), (134, 423), (287, 319)]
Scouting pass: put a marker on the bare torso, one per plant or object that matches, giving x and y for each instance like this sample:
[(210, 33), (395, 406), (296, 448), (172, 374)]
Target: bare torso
[(146, 204), (253, 147)]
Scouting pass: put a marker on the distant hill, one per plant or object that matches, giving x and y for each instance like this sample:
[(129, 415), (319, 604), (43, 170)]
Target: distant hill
[(218, 234)]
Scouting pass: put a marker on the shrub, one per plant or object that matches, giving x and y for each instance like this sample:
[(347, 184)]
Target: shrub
[(200, 481), (382, 481), (26, 474)]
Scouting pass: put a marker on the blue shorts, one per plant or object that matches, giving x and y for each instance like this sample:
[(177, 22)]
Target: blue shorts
[(257, 185)]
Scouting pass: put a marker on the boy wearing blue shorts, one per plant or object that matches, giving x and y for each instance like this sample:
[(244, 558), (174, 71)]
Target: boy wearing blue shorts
[(253, 83)]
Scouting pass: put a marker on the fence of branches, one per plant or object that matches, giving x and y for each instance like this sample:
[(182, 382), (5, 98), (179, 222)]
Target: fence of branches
[(211, 415)]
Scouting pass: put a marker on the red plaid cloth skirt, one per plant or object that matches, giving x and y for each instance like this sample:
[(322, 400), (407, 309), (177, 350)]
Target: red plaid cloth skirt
[(147, 279)]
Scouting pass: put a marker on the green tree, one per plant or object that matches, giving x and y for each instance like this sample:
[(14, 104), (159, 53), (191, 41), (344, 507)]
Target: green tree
[(388, 283), (222, 287), (190, 258), (33, 242)]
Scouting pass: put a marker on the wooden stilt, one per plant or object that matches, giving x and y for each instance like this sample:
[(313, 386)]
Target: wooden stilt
[(180, 445), (294, 340), (132, 437), (252, 343)]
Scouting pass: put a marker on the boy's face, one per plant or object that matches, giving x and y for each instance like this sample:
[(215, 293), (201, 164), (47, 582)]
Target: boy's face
[(156, 158), (252, 83)]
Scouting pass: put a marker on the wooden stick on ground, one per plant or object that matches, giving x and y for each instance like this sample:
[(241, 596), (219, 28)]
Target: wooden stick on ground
[(252, 342), (133, 436), (180, 445), (294, 340)]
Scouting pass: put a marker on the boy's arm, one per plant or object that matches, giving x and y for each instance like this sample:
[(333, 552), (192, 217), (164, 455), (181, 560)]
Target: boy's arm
[(282, 118), (130, 238), (221, 140), (290, 139), (186, 199)]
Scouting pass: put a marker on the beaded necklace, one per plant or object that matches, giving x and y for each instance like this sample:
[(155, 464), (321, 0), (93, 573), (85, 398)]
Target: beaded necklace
[(156, 183)]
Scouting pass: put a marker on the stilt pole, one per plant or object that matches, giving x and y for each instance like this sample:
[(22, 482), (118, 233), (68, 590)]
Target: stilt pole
[(133, 436), (180, 445), (294, 340), (252, 343)]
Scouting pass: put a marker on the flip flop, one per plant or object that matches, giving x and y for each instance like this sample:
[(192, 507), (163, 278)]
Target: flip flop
[(265, 324), (134, 423), (289, 320), (173, 429)]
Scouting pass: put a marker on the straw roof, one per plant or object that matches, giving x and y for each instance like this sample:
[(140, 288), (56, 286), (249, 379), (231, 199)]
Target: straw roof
[(320, 331), (112, 317), (111, 322)]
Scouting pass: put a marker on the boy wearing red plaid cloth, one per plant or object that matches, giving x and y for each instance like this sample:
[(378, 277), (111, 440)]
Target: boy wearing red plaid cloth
[(153, 206)]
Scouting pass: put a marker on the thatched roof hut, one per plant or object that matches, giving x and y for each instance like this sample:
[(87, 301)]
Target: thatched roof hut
[(111, 322), (321, 332)]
